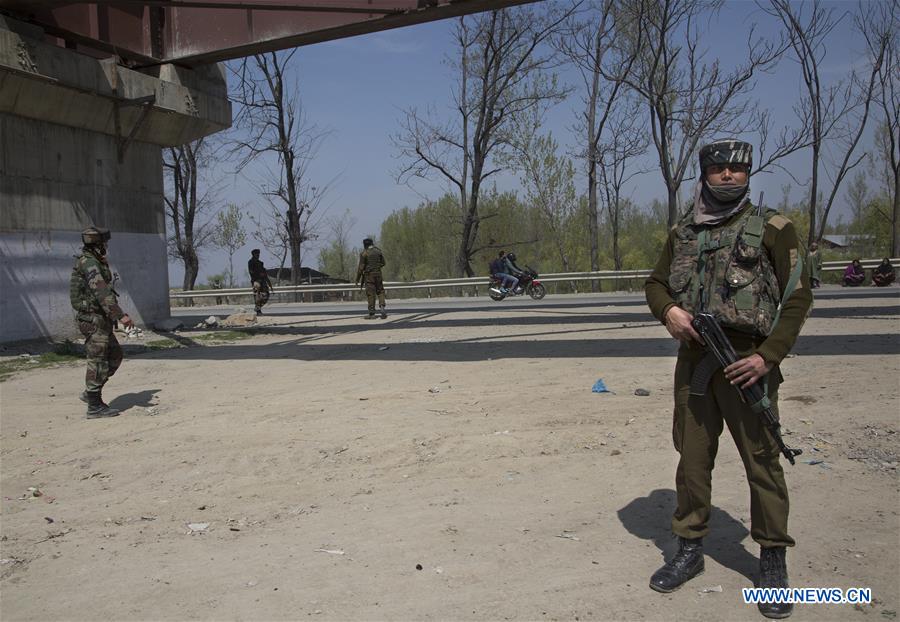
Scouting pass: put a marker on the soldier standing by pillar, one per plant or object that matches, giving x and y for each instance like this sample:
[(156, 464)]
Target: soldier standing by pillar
[(371, 261), (95, 302)]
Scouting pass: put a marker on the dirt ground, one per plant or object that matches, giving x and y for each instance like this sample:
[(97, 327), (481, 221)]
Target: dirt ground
[(445, 464)]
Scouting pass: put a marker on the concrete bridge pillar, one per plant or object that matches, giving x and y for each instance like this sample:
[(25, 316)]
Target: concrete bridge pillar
[(81, 144)]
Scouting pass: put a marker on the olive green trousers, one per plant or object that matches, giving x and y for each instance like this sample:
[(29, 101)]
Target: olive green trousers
[(374, 287), (698, 422)]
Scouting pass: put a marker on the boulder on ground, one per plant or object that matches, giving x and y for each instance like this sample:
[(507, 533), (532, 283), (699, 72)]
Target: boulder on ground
[(239, 319)]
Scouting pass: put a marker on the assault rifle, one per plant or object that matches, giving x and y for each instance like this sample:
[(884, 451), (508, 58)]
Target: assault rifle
[(720, 354)]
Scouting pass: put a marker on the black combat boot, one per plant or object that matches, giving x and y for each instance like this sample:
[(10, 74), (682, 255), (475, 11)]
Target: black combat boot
[(371, 316), (84, 398), (383, 314), (687, 564), (96, 408), (773, 574)]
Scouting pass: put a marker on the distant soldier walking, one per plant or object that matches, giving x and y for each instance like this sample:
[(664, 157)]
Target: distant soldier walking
[(371, 261), (95, 302), (260, 280)]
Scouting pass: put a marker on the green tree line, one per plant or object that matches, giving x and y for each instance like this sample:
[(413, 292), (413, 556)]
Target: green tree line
[(421, 242)]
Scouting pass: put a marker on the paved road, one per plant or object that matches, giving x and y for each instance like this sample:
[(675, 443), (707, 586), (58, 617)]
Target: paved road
[(483, 303)]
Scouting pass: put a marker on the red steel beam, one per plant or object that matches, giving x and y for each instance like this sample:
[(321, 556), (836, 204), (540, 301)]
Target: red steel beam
[(197, 32)]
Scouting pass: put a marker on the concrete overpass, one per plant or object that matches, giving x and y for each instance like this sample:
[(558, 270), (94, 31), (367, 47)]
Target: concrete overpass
[(90, 93)]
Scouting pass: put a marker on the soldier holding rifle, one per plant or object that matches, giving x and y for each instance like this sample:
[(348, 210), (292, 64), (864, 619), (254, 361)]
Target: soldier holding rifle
[(743, 266)]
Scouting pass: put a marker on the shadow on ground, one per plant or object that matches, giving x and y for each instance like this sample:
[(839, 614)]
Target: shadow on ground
[(143, 399), (494, 348), (572, 329), (649, 518)]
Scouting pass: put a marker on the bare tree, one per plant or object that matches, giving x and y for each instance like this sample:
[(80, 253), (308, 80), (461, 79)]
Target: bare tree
[(549, 182), (688, 98), (857, 197), (276, 135), (887, 19), (837, 113), (589, 43), (271, 230), (339, 257), (229, 235), (503, 72), (187, 198), (625, 141)]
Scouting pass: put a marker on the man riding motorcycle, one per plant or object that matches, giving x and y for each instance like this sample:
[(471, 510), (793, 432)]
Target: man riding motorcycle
[(511, 268), (500, 271)]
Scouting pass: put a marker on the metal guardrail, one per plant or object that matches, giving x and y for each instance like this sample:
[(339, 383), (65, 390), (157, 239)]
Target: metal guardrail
[(474, 281)]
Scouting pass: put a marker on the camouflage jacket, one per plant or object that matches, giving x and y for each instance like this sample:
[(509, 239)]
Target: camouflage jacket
[(739, 271), (724, 270), (90, 287), (371, 261)]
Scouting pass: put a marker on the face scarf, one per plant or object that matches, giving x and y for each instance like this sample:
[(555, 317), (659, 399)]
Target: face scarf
[(715, 204)]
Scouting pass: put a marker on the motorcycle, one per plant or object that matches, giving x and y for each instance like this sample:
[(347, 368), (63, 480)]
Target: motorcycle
[(528, 284)]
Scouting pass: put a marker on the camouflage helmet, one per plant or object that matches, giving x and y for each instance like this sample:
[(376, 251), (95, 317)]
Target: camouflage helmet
[(95, 235), (726, 151)]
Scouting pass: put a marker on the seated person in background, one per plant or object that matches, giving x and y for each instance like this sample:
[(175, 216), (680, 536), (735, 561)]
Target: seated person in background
[(499, 271), (854, 274), (883, 275)]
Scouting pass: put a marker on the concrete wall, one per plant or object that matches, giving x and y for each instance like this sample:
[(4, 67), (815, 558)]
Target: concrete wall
[(63, 168), (34, 279), (55, 181)]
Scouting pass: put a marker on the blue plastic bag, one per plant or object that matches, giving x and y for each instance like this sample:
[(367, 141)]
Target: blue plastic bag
[(600, 387)]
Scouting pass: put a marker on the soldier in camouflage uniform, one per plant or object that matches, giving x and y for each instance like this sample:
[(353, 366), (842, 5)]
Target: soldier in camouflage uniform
[(745, 267), (95, 303), (371, 261), (260, 280)]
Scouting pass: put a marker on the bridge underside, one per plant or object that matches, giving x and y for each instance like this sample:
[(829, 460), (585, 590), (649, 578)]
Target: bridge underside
[(90, 94), (198, 32)]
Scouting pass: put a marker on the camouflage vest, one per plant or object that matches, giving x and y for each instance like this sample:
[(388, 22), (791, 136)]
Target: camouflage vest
[(81, 297), (374, 260), (726, 271)]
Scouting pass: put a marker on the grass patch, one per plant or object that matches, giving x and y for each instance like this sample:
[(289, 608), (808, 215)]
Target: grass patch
[(48, 359), (224, 335), (162, 344), (67, 352)]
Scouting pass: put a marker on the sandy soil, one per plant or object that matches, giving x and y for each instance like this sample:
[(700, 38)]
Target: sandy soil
[(327, 470)]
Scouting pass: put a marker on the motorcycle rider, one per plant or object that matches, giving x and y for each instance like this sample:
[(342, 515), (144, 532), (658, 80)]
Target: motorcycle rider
[(511, 268), (499, 270)]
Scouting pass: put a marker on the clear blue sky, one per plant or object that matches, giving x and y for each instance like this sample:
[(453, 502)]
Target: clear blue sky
[(358, 88)]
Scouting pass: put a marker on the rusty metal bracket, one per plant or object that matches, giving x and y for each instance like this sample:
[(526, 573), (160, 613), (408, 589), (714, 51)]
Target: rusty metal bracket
[(146, 102), (122, 142)]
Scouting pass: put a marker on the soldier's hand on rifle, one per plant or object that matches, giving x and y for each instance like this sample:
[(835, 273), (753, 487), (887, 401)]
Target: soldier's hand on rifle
[(678, 323), (746, 371), (126, 321)]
